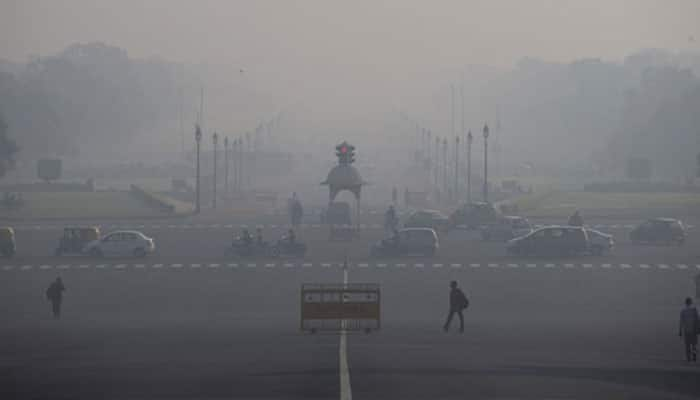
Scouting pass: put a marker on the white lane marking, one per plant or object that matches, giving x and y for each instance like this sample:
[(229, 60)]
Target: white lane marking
[(232, 265), (549, 265), (307, 265), (437, 265), (569, 265), (270, 265), (45, 267), (513, 265), (363, 265), (344, 370), (120, 266), (400, 265), (587, 265), (475, 265), (493, 265), (214, 265), (7, 267), (157, 265), (326, 265), (456, 265), (63, 266), (195, 265), (644, 266), (419, 265), (381, 265), (606, 266), (682, 266), (289, 265), (175, 265), (26, 267), (251, 265), (101, 266), (140, 266), (663, 266), (531, 265), (83, 266), (625, 266)]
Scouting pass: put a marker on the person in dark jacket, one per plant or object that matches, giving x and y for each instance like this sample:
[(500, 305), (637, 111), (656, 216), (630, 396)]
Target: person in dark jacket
[(576, 219), (458, 303), (55, 295), (688, 329)]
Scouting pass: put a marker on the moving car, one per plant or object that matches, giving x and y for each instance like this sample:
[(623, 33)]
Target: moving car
[(506, 228), (408, 242), (600, 243), (432, 219), (8, 246), (75, 240), (474, 215), (121, 244), (552, 240), (659, 230)]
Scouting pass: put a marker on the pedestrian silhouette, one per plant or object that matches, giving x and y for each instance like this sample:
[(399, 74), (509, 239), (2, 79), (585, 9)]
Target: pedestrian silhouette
[(688, 329), (54, 294), (458, 303), (576, 219)]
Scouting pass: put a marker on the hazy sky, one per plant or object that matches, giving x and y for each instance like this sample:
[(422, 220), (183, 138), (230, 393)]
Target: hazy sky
[(360, 45)]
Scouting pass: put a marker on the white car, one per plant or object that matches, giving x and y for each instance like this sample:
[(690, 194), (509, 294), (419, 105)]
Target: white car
[(122, 244)]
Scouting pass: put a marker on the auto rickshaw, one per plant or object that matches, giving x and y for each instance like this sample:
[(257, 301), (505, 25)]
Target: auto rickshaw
[(75, 239), (7, 241)]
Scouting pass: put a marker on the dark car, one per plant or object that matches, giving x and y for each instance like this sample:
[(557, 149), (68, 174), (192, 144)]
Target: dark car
[(659, 230), (506, 228), (552, 240), (474, 215), (428, 219), (409, 242)]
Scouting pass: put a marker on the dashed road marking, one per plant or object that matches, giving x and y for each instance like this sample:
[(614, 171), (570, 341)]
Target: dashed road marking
[(569, 265), (437, 265), (63, 266), (289, 265), (176, 266), (531, 265), (474, 265), (195, 265), (663, 266), (44, 267), (120, 266), (251, 265), (550, 265), (139, 266), (156, 266), (270, 265), (606, 266), (418, 265), (513, 265), (363, 265), (7, 267), (214, 265), (456, 265), (625, 266), (26, 267), (493, 265), (83, 266), (587, 266), (101, 266)]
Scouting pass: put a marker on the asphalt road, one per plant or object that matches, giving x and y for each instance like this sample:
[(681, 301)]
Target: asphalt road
[(186, 323)]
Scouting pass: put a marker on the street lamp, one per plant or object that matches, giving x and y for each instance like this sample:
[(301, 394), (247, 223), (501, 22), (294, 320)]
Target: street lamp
[(215, 139), (437, 163), (486, 163), (445, 163), (456, 168), (470, 138), (198, 140), (226, 166)]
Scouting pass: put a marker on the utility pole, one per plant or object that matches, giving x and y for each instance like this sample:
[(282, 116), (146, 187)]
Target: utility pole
[(215, 139), (486, 163), (437, 163), (470, 138), (198, 140), (445, 163), (226, 166)]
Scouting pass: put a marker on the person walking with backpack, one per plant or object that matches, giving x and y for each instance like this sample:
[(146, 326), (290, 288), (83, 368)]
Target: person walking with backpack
[(688, 330), (54, 294), (458, 303)]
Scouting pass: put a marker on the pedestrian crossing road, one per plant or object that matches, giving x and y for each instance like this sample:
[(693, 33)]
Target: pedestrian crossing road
[(377, 265)]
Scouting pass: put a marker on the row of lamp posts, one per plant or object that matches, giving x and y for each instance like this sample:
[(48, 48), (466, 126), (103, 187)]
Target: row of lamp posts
[(237, 147), (470, 139)]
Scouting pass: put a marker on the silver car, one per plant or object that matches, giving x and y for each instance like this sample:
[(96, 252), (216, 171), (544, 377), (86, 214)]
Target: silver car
[(122, 244)]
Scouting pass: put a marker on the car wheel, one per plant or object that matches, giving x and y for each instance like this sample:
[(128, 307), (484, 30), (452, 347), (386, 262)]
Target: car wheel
[(275, 251), (96, 252), (597, 250)]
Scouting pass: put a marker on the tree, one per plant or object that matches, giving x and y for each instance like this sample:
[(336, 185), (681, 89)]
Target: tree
[(8, 148)]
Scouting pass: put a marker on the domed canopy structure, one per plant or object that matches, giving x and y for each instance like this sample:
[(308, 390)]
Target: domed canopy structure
[(343, 177)]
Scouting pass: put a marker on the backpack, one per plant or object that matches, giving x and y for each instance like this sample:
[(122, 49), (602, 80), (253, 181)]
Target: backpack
[(465, 301)]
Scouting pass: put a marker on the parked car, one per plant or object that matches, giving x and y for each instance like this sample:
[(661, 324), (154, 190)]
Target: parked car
[(600, 243), (74, 240), (551, 240), (8, 246), (122, 243), (428, 219), (408, 242), (659, 230), (474, 215), (506, 228)]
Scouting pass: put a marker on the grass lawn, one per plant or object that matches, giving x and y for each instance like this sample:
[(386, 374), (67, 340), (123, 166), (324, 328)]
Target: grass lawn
[(82, 205), (558, 203)]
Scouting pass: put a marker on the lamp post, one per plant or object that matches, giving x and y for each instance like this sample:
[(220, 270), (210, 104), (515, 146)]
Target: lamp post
[(445, 163), (215, 139), (241, 153), (437, 163), (470, 138), (226, 166), (198, 141), (486, 163), (456, 168)]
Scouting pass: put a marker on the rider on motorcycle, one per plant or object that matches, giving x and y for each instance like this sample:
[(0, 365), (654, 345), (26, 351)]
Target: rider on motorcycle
[(246, 238)]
